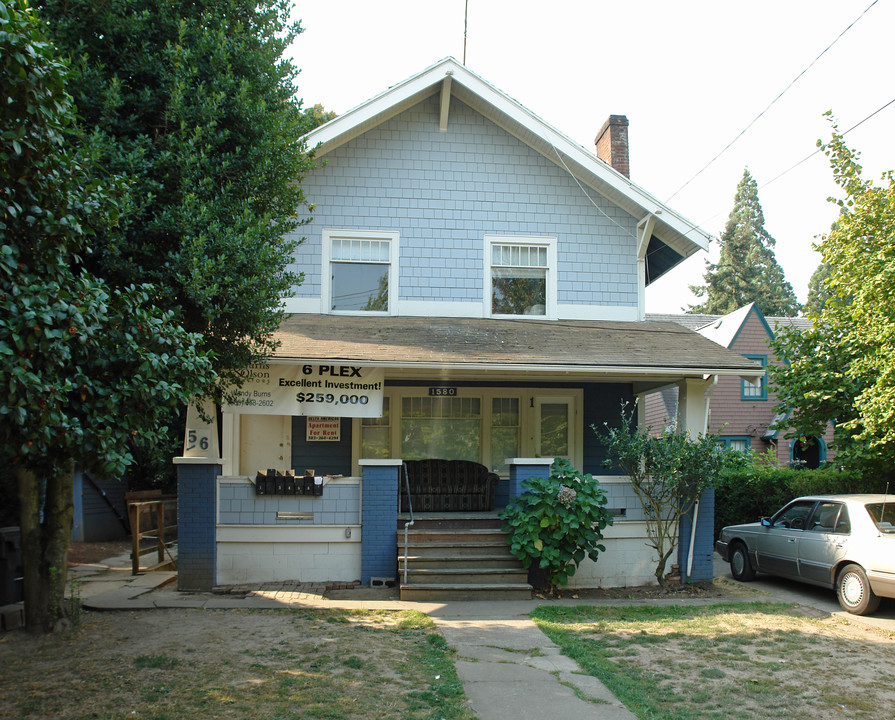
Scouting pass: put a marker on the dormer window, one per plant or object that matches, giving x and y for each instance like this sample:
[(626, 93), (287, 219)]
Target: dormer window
[(521, 276), (360, 267)]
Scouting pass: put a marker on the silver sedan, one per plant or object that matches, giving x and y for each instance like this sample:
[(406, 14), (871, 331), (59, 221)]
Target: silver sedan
[(846, 542)]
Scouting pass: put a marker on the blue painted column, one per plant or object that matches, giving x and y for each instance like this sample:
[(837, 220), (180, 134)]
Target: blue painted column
[(196, 522), (701, 568), (523, 469), (379, 519)]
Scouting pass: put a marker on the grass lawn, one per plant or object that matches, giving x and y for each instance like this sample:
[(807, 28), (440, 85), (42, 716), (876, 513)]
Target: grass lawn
[(276, 665), (746, 660)]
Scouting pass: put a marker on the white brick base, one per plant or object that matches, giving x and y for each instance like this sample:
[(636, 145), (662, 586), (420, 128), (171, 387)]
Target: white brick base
[(627, 562)]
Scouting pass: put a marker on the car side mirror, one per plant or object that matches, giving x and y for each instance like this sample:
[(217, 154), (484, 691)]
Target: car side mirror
[(765, 522)]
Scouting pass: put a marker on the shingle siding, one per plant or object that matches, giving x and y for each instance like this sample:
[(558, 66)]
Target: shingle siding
[(443, 192)]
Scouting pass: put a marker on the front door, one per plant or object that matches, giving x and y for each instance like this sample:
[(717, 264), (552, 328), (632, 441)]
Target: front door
[(555, 428)]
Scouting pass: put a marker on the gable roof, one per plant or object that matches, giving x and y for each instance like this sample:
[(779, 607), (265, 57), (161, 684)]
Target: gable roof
[(673, 237), (724, 329)]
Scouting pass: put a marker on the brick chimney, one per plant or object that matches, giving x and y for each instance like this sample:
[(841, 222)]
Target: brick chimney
[(612, 144)]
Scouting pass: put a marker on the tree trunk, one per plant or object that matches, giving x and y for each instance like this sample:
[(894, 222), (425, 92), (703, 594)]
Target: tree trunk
[(45, 544)]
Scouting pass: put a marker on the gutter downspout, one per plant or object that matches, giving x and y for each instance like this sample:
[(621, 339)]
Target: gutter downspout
[(705, 429)]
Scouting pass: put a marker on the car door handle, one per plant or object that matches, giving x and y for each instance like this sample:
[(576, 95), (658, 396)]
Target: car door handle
[(790, 540)]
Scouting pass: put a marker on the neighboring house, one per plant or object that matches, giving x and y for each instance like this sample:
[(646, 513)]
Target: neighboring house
[(742, 411), (473, 289)]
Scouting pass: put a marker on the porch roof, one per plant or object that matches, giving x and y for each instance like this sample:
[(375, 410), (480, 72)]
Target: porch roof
[(636, 350)]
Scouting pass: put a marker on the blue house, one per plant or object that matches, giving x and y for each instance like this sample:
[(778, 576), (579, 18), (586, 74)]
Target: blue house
[(473, 290)]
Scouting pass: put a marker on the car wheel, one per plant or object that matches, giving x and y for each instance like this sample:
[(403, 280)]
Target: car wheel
[(853, 591), (740, 566)]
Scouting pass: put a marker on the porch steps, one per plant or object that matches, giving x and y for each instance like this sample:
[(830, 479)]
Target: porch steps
[(454, 556)]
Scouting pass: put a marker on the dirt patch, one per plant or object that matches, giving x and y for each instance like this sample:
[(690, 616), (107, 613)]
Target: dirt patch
[(719, 588), (752, 661), (183, 663), (89, 553)]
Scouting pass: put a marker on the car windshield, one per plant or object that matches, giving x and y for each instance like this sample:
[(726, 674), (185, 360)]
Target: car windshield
[(883, 515)]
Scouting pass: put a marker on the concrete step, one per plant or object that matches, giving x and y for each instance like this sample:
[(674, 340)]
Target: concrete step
[(492, 547), (451, 521), (459, 536), (465, 575), (465, 591), (447, 560)]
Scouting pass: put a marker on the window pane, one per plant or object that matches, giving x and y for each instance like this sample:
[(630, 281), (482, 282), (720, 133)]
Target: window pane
[(448, 428), (350, 250), (518, 291), (554, 430), (359, 286), (375, 441), (504, 432)]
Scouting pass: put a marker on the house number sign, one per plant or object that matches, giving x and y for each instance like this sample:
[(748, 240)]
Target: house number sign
[(315, 390)]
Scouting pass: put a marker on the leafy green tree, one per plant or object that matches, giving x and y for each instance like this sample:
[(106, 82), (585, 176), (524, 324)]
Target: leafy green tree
[(747, 270), (818, 293), (194, 100), (668, 473), (86, 369), (843, 370)]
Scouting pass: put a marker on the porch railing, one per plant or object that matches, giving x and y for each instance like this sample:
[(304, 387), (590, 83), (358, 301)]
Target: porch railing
[(409, 523)]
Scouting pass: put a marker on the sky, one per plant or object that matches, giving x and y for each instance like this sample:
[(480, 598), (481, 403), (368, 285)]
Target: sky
[(690, 76)]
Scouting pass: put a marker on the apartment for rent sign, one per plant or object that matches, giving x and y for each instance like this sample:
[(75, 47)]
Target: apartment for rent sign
[(315, 390)]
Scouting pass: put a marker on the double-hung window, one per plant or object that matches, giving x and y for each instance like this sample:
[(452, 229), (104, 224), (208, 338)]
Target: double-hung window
[(520, 275), (360, 271), (756, 390)]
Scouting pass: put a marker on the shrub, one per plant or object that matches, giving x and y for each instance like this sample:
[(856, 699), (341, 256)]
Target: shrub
[(753, 490), (557, 521)]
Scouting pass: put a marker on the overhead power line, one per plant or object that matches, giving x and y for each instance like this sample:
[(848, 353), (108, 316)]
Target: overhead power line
[(780, 95)]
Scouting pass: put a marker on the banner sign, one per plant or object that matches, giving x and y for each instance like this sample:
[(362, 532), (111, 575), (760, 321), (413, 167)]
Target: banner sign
[(315, 390)]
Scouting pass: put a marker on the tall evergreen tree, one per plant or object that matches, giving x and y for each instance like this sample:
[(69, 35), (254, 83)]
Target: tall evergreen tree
[(747, 270), (818, 290), (194, 100)]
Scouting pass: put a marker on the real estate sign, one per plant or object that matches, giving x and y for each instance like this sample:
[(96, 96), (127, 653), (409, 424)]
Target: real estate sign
[(315, 390)]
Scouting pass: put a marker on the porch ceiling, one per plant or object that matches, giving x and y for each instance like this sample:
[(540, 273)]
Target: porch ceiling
[(637, 350)]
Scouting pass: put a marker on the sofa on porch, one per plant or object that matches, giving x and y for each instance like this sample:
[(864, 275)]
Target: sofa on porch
[(447, 485)]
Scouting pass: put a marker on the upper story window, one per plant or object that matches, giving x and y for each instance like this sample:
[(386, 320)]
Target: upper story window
[(360, 271), (521, 275), (755, 390)]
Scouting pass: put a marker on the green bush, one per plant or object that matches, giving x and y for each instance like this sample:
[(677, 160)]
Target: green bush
[(557, 521), (748, 491)]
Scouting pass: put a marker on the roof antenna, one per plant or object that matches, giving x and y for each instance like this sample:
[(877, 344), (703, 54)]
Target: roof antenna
[(465, 21)]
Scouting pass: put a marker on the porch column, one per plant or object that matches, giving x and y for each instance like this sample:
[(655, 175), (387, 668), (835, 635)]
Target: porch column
[(524, 468), (697, 528), (197, 480), (379, 519)]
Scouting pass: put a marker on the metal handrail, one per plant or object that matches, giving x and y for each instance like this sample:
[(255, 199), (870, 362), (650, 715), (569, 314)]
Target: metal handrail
[(409, 523)]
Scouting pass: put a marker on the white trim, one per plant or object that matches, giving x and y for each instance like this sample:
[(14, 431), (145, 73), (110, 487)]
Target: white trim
[(328, 235), (549, 242), (458, 309), (619, 313), (303, 306), (439, 308), (286, 533), (197, 461), (373, 462), (529, 461)]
